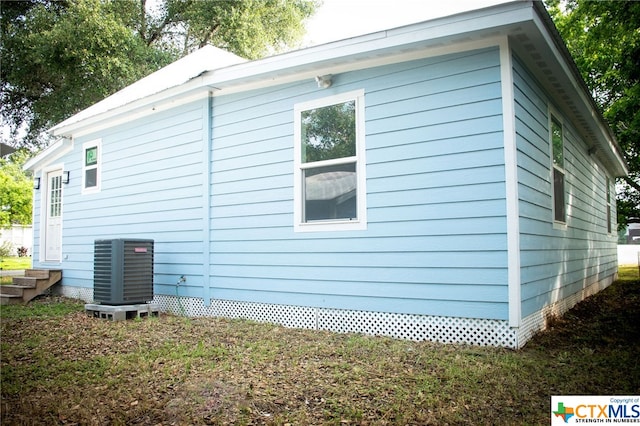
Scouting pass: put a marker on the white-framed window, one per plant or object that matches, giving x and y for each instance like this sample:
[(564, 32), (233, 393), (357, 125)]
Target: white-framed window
[(329, 175), (556, 136), (91, 166)]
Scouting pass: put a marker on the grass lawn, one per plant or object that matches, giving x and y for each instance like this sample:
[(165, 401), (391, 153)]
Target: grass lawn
[(59, 366), (14, 263)]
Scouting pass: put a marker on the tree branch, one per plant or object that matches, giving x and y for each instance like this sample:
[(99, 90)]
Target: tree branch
[(213, 29), (635, 185), (143, 19)]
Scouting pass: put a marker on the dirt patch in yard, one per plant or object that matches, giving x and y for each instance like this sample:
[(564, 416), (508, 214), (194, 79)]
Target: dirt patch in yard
[(59, 366)]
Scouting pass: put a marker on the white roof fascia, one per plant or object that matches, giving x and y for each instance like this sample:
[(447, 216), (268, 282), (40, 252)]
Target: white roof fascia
[(173, 75), (345, 55), (49, 155), (465, 31), (170, 98), (441, 33), (249, 84)]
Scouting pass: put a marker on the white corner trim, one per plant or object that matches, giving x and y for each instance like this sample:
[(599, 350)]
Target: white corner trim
[(207, 142), (511, 184)]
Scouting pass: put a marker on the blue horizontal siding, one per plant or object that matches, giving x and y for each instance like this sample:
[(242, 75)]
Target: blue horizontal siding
[(474, 309), (351, 277), (557, 262), (388, 259), (436, 236), (435, 195), (151, 188), (342, 242)]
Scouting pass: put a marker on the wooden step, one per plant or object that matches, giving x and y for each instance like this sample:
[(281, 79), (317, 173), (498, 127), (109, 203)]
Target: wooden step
[(10, 299), (13, 289), (27, 282), (34, 283), (38, 273)]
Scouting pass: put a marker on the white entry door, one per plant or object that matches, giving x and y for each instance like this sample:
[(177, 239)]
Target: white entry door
[(53, 227)]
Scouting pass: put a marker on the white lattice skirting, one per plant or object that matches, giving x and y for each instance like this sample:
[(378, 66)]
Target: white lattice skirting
[(484, 332), (83, 293), (405, 326)]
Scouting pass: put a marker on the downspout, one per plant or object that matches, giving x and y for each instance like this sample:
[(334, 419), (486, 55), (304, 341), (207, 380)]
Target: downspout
[(511, 185), (207, 143)]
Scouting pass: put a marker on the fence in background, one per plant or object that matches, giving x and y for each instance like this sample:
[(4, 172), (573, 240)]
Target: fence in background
[(18, 236), (629, 254)]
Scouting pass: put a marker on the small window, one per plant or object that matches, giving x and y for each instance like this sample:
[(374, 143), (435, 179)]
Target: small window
[(557, 147), (608, 189), (329, 164), (91, 166)]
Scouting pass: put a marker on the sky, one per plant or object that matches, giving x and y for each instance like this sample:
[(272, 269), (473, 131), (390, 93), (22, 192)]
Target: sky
[(340, 19)]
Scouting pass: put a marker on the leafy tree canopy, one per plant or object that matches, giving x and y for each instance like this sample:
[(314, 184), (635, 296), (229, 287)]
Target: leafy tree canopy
[(604, 39), (329, 132), (59, 57), (15, 191)]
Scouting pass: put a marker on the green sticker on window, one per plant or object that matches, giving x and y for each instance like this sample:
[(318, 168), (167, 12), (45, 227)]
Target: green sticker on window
[(91, 156)]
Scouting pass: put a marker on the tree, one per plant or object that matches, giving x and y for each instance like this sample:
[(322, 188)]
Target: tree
[(59, 57), (248, 28), (604, 39), (15, 191), (329, 132)]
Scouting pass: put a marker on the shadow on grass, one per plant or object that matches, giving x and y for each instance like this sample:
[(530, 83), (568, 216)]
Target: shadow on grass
[(594, 348)]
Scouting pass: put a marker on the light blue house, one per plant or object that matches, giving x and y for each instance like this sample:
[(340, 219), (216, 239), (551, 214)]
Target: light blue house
[(450, 180)]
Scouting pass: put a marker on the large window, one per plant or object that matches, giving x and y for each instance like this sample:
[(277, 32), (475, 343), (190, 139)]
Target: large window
[(329, 164), (557, 148), (91, 165)]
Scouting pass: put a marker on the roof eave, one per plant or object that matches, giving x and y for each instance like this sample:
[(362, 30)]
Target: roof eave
[(516, 19), (50, 154), (605, 145), (168, 98), (345, 54), (352, 53)]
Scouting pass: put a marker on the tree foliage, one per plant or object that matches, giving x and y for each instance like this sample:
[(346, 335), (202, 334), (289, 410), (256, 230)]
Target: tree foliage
[(604, 39), (329, 132), (59, 57), (15, 191), (248, 28)]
